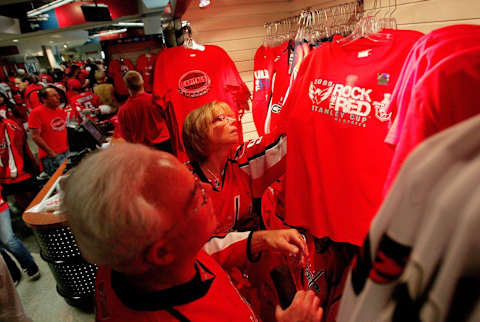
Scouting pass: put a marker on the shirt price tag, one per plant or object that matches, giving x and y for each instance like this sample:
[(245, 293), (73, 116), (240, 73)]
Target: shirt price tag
[(364, 53)]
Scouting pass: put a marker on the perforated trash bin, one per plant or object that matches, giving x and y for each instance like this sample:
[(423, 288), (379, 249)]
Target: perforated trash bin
[(74, 276)]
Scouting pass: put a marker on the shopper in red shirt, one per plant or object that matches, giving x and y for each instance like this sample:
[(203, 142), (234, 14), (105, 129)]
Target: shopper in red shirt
[(28, 85), (236, 173), (9, 110), (74, 88), (139, 120), (155, 265), (47, 125), (44, 77)]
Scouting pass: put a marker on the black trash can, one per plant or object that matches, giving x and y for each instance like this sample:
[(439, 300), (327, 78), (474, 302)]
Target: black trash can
[(74, 276)]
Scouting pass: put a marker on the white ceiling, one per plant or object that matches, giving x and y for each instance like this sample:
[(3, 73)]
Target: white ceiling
[(31, 43)]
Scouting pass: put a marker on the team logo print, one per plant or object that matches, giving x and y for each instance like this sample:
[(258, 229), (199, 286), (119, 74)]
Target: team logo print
[(312, 278), (277, 108), (318, 95), (194, 83), (381, 108), (58, 124), (383, 78)]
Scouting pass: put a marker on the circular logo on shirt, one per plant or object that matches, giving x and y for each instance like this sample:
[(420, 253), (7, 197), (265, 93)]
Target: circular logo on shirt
[(194, 83), (58, 124), (276, 108)]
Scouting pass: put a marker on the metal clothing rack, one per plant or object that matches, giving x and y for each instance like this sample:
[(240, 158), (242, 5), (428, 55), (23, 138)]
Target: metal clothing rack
[(316, 24)]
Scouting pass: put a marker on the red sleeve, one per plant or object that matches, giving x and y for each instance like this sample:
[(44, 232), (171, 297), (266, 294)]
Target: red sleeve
[(264, 160), (34, 120), (229, 250)]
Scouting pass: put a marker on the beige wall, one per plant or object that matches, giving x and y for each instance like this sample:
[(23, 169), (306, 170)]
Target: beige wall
[(237, 25)]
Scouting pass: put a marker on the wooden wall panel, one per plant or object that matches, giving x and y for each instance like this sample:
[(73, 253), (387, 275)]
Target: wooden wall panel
[(237, 25)]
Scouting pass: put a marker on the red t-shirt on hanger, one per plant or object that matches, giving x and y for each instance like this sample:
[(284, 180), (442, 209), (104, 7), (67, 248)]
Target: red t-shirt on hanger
[(145, 65), (117, 69), (188, 78), (262, 86), (443, 96), (280, 85), (337, 160)]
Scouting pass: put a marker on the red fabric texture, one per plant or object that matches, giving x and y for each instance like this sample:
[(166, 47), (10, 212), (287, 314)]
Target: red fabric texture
[(31, 96), (262, 80), (142, 122), (418, 115), (187, 78), (51, 123), (221, 303), (145, 66), (45, 78), (74, 84), (15, 155), (337, 159), (85, 101), (325, 272), (280, 85), (117, 69)]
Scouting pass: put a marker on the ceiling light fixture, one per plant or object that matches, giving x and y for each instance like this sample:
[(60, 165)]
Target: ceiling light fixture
[(47, 7), (15, 40), (109, 33)]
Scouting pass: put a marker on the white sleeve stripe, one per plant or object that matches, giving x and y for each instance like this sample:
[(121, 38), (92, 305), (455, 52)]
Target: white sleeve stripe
[(256, 167), (217, 244)]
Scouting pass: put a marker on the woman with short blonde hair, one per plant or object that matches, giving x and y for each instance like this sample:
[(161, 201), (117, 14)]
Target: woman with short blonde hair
[(237, 173)]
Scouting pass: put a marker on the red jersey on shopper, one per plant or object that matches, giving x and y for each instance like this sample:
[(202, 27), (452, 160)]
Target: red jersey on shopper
[(145, 66), (82, 76), (188, 78), (46, 79), (209, 296), (116, 70), (142, 122), (337, 161), (86, 104), (31, 96), (14, 152), (249, 170), (51, 123)]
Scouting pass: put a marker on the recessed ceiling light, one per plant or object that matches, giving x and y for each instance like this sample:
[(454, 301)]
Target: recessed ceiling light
[(15, 40)]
